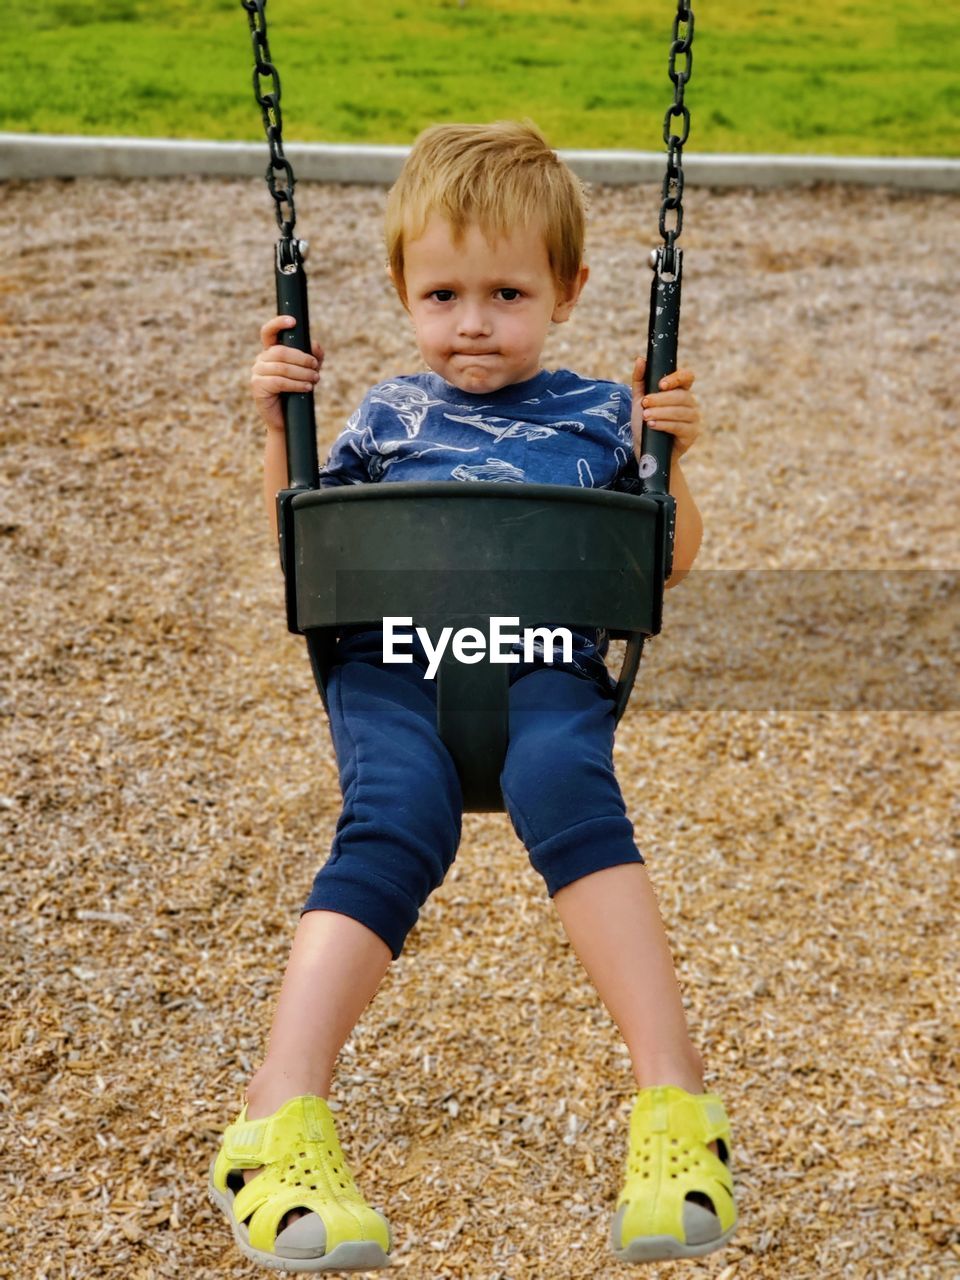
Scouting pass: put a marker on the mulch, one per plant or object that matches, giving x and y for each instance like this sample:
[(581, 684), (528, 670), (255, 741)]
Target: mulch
[(168, 786)]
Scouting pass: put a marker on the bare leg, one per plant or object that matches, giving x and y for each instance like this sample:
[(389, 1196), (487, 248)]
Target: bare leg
[(613, 922), (336, 965)]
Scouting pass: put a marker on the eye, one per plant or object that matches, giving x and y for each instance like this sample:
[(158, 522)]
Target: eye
[(509, 295), (442, 295)]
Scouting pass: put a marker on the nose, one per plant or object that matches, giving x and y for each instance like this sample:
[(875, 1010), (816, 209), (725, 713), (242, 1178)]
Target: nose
[(473, 321)]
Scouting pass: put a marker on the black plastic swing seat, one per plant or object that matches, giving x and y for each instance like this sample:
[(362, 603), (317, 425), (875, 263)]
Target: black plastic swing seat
[(456, 554)]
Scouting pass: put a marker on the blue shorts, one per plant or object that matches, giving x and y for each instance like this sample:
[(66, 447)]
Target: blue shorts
[(400, 826)]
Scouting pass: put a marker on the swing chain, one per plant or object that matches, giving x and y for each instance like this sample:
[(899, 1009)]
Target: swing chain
[(672, 189), (272, 119)]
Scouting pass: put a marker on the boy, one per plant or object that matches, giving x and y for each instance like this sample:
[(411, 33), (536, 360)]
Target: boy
[(485, 230)]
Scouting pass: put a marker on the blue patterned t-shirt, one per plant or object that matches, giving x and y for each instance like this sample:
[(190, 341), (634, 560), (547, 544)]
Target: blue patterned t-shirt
[(555, 428)]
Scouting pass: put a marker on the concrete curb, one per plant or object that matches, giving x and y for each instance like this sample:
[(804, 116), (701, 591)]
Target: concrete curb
[(37, 155)]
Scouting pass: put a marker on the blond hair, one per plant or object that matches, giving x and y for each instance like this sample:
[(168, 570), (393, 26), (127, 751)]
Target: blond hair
[(497, 176)]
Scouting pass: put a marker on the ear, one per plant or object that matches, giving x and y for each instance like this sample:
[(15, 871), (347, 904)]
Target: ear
[(567, 300)]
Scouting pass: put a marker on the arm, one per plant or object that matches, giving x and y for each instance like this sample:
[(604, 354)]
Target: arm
[(673, 409), (274, 474), (689, 529), (346, 464), (275, 370)]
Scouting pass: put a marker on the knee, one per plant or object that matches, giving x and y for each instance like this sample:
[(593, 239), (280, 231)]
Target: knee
[(566, 806), (557, 781), (384, 865), (407, 835)]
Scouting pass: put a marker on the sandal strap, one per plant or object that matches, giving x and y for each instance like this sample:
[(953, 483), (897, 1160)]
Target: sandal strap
[(248, 1143), (662, 1107)]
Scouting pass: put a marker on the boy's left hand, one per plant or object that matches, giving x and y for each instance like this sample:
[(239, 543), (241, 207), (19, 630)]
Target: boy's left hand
[(673, 408)]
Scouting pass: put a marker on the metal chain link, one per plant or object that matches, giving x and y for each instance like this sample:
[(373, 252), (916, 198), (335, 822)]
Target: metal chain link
[(672, 190), (272, 119)]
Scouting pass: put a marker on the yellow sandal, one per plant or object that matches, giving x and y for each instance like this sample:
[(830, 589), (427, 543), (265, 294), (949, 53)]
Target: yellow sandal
[(303, 1168), (677, 1201)]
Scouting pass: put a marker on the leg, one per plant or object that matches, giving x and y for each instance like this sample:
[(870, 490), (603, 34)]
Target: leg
[(566, 805), (558, 778), (629, 962), (341, 961), (395, 839), (335, 967)]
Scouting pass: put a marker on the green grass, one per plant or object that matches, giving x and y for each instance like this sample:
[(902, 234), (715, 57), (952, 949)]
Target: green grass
[(867, 77)]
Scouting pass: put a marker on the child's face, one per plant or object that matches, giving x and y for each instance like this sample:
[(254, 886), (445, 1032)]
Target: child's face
[(481, 311)]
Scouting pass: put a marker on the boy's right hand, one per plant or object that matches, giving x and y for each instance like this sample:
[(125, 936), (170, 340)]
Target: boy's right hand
[(278, 368)]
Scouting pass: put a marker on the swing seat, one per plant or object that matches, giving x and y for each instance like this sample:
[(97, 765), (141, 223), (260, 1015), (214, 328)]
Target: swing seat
[(454, 554)]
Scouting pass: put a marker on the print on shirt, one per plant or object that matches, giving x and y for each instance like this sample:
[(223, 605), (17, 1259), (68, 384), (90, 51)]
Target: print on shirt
[(610, 409), (503, 428), (584, 390), (410, 403), (492, 469), (382, 455)]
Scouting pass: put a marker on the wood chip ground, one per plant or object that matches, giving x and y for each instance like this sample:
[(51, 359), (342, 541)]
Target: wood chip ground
[(169, 787)]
